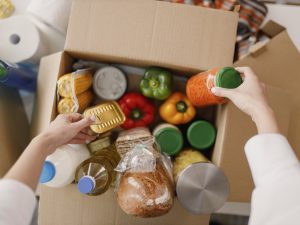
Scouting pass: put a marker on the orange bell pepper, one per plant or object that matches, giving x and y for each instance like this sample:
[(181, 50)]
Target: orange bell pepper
[(177, 109)]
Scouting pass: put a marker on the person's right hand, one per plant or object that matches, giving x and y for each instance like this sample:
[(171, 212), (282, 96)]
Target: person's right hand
[(67, 129), (250, 98)]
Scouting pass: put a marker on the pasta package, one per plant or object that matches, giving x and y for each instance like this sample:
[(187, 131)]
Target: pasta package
[(75, 83), (75, 104)]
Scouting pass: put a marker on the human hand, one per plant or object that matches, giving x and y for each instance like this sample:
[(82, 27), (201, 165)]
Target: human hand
[(250, 98), (68, 129)]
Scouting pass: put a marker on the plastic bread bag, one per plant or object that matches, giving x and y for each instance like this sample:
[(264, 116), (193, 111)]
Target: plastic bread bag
[(146, 186)]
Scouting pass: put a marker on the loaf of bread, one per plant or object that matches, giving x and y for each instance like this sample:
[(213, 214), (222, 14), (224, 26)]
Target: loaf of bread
[(146, 194)]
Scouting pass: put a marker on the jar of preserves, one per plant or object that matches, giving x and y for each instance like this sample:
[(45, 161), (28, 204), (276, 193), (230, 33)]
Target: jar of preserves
[(198, 88), (169, 138)]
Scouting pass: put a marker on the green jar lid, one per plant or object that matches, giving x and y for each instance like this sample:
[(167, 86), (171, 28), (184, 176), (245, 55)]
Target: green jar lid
[(201, 134), (228, 77), (170, 140)]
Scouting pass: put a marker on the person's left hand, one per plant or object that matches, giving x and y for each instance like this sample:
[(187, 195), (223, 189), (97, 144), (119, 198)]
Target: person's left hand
[(69, 129)]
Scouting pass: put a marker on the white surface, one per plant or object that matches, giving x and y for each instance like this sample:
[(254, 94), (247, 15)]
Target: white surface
[(17, 203), (276, 174), (289, 17)]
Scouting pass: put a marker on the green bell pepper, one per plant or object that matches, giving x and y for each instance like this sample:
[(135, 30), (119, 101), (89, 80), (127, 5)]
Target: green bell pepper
[(156, 83)]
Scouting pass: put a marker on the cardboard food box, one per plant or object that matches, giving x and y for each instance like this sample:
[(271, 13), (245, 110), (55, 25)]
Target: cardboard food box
[(277, 64), (134, 32), (14, 128)]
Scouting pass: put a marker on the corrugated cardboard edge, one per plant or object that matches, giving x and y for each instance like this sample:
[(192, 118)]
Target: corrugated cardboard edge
[(81, 43), (87, 210), (45, 102)]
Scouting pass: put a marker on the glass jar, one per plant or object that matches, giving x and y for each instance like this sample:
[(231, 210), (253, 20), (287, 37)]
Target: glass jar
[(198, 88)]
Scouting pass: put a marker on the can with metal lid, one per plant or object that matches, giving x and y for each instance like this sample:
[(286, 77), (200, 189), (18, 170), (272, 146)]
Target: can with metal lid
[(109, 83), (108, 116), (201, 134), (169, 138), (201, 187), (198, 88)]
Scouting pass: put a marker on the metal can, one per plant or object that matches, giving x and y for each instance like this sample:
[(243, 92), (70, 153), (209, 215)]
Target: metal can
[(201, 187)]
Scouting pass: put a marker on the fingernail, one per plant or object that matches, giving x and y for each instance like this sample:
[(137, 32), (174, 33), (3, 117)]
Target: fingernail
[(213, 90), (93, 118)]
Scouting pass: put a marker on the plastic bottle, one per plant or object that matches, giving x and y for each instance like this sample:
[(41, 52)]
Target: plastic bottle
[(59, 167), (198, 88), (20, 76), (95, 175)]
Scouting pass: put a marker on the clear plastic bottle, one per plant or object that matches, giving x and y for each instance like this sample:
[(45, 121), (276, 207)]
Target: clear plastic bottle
[(95, 175), (21, 76), (59, 167)]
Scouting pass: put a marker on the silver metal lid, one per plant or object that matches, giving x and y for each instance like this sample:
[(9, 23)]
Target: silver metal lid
[(109, 83), (202, 188)]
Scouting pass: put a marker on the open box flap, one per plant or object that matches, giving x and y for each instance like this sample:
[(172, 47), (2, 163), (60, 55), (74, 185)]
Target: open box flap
[(235, 128), (51, 67), (147, 32), (67, 202), (277, 65)]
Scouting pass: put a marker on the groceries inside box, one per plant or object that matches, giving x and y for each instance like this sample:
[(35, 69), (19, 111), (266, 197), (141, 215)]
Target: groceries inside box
[(155, 132)]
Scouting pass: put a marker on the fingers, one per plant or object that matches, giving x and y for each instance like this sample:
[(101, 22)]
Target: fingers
[(77, 141), (74, 117), (223, 92), (83, 123), (247, 71), (85, 137)]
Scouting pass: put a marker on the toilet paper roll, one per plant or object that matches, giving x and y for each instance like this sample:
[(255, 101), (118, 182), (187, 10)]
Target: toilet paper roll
[(52, 12), (20, 40)]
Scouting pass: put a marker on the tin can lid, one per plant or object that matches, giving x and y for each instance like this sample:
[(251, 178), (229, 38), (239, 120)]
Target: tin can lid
[(170, 140), (48, 172), (109, 83), (228, 77), (201, 134), (202, 188)]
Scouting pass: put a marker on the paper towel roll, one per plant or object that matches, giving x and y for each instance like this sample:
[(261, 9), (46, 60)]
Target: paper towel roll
[(53, 12), (20, 40)]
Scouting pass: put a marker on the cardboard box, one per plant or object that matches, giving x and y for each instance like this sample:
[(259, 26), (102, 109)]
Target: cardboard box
[(134, 32), (14, 128), (277, 64)]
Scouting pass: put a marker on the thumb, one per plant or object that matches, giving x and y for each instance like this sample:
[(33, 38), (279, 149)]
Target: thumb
[(83, 123), (222, 92)]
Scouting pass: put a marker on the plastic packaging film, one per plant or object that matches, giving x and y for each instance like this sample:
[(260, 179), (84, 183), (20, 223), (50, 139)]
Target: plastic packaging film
[(145, 188)]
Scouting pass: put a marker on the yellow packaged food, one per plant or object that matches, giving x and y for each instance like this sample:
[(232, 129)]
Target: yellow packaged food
[(74, 83), (75, 104), (108, 116), (186, 158), (6, 8)]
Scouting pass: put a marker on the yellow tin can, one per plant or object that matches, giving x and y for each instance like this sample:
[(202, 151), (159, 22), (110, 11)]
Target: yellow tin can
[(108, 116)]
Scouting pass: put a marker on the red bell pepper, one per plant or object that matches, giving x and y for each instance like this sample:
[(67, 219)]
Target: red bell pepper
[(139, 111)]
